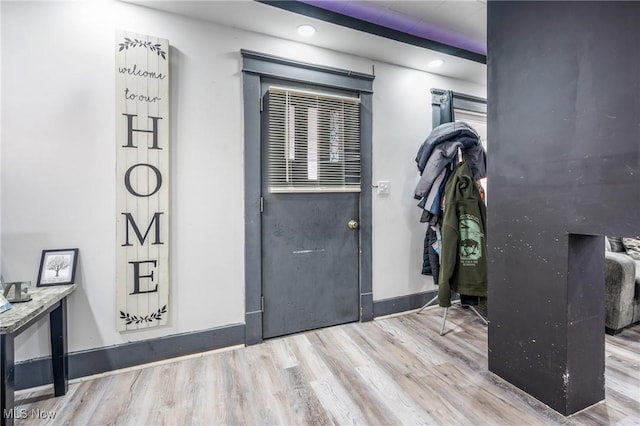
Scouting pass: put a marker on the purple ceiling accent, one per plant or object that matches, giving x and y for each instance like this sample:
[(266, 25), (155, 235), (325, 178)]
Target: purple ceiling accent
[(400, 22)]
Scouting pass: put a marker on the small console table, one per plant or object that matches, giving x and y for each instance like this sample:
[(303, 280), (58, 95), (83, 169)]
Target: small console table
[(46, 300)]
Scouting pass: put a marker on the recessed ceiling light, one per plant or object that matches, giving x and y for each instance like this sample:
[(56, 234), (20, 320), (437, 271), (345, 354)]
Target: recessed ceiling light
[(436, 63), (306, 30)]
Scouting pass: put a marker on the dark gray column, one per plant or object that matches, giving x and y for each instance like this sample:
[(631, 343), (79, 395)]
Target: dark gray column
[(564, 168)]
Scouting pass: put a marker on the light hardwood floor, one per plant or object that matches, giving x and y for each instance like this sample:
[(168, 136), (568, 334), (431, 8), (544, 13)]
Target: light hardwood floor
[(393, 371)]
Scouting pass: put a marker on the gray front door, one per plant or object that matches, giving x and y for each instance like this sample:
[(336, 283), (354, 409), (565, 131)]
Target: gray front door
[(309, 261), (310, 256)]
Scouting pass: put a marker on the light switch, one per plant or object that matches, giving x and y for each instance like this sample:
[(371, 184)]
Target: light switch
[(383, 187)]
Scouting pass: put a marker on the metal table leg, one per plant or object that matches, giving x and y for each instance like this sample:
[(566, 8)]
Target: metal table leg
[(8, 379), (58, 328)]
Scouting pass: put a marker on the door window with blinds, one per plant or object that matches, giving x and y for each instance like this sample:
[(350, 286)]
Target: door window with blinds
[(313, 141)]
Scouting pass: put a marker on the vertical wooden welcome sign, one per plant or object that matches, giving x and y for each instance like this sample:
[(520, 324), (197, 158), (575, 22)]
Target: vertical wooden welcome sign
[(142, 180)]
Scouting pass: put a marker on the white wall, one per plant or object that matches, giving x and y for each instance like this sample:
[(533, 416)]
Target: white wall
[(58, 159), (401, 122)]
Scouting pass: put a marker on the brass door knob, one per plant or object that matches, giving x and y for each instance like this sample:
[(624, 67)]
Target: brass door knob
[(353, 224)]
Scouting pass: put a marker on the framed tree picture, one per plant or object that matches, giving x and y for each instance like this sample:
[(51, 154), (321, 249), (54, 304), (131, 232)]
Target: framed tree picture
[(57, 267)]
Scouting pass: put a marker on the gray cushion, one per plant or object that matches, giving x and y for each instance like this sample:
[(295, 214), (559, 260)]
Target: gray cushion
[(632, 245), (621, 289), (616, 244)]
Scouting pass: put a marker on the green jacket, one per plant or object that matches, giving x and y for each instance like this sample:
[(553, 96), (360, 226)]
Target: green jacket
[(463, 255)]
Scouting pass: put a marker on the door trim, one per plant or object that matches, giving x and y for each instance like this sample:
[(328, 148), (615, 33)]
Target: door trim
[(444, 102), (255, 67)]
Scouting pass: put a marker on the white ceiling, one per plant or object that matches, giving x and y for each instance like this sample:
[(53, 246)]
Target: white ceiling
[(457, 20), (467, 18)]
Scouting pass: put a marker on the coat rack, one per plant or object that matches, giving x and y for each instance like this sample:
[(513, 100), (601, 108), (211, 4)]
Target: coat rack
[(444, 112), (446, 310)]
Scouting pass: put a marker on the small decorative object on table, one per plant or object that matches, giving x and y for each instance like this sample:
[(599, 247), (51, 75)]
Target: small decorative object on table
[(57, 267), (4, 304), (19, 293)]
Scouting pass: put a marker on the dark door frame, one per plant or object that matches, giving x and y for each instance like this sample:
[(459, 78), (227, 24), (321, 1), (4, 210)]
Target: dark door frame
[(255, 67), (444, 102)]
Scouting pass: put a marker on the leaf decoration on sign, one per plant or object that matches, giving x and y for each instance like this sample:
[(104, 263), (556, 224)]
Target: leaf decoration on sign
[(139, 43), (137, 319)]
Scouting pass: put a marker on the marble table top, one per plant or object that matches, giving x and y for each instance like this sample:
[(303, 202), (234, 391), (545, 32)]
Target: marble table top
[(42, 299)]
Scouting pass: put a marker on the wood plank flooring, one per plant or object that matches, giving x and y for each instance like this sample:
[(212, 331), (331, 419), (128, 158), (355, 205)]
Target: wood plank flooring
[(392, 371)]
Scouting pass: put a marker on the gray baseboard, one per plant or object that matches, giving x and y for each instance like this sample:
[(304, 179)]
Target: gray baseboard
[(37, 372), (402, 303)]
